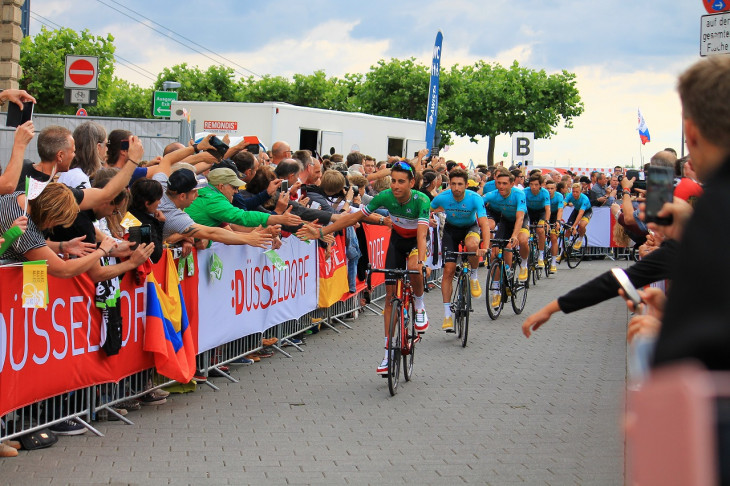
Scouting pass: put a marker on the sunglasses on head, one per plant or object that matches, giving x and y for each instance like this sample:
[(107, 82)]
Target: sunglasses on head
[(404, 166)]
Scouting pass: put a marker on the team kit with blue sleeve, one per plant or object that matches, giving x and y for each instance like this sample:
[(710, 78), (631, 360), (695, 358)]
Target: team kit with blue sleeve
[(504, 210), (461, 219), (557, 202), (536, 204), (581, 203)]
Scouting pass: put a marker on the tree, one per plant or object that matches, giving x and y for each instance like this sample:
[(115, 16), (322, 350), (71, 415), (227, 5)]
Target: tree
[(214, 84), (43, 60), (397, 88), (268, 88), (489, 100), (125, 100), (316, 91)]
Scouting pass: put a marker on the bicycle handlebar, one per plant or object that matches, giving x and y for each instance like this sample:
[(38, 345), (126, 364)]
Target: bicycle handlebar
[(461, 253)]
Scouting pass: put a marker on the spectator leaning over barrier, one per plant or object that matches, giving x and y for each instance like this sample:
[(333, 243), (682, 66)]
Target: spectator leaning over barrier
[(213, 206), (145, 196), (90, 154), (9, 180), (289, 170), (181, 189), (311, 168), (247, 165), (56, 149), (600, 194)]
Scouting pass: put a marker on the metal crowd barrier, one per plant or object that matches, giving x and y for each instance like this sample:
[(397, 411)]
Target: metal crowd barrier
[(101, 402)]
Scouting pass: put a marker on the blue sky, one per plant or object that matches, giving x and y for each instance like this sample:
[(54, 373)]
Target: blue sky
[(626, 54)]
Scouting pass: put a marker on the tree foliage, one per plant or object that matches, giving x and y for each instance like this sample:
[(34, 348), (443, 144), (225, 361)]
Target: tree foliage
[(214, 84)]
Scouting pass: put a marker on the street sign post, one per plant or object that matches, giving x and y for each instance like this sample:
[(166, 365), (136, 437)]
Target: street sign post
[(715, 34), (82, 72), (523, 150), (162, 102)]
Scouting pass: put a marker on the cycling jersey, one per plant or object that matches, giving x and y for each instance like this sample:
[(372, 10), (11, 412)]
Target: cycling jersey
[(462, 213), (582, 203), (537, 201), (407, 216), (557, 202), (506, 207)]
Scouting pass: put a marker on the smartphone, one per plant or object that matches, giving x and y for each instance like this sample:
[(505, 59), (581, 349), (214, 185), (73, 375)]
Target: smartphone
[(140, 234), (253, 148), (16, 116), (355, 190), (284, 186), (444, 185), (124, 144), (623, 280), (218, 145), (659, 190), (303, 191)]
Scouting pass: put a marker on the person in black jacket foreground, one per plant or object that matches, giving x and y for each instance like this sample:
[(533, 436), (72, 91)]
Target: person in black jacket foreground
[(695, 321)]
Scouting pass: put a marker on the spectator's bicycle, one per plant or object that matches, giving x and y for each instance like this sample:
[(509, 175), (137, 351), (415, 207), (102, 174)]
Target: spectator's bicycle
[(402, 334), (502, 281), (572, 256), (461, 298)]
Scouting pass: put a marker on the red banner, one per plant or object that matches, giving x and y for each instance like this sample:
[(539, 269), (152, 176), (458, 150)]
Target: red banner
[(46, 352), (378, 239)]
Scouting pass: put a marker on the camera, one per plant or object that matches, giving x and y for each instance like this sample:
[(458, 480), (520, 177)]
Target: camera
[(124, 144), (620, 178), (355, 189)]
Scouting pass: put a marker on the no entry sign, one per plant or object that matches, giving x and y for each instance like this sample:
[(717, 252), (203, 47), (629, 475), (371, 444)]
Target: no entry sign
[(81, 72)]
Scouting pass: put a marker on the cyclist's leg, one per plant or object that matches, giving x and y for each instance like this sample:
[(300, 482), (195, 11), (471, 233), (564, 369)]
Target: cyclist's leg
[(541, 240), (523, 237), (417, 284), (471, 243), (449, 243), (394, 259), (553, 242)]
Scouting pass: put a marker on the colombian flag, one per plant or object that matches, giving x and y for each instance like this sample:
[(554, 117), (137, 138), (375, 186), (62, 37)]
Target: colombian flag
[(643, 130), (168, 334)]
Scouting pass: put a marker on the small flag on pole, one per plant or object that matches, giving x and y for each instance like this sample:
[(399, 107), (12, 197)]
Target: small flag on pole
[(643, 129)]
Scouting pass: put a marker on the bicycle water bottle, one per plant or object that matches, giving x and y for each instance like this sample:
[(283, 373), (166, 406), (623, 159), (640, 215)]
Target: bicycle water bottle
[(405, 313)]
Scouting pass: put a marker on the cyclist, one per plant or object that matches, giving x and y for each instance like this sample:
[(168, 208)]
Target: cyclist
[(557, 202), (538, 211), (409, 212), (465, 217), (507, 206), (581, 214)]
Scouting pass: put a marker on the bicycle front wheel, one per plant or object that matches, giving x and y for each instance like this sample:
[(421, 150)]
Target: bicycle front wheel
[(465, 310), (494, 287), (394, 346), (519, 290), (576, 256), (456, 306), (409, 340)]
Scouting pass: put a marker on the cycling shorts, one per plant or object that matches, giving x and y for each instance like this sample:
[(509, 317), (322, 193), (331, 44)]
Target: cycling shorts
[(453, 235), (506, 228), (586, 216), (399, 250), (537, 216)]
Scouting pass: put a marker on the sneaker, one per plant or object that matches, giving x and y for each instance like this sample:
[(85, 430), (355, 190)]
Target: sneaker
[(262, 354), (159, 392), (496, 298), (7, 451), (448, 324), (199, 376), (68, 427), (540, 263), (152, 399), (523, 274), (293, 341), (243, 361), (553, 269), (383, 368), (269, 341), (421, 320), (253, 357), (131, 404), (578, 243), (476, 289)]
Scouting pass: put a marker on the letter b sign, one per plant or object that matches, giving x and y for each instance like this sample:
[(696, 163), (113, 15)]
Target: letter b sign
[(523, 148)]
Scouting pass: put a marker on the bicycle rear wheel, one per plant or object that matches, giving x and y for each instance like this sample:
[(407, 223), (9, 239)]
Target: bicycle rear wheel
[(576, 256), (394, 346), (519, 290), (495, 282), (409, 340), (465, 309)]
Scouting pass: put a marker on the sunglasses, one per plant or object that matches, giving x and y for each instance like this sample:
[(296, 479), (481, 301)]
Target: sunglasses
[(404, 166)]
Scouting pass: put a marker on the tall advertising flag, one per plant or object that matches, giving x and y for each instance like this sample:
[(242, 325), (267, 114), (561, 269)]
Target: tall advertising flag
[(643, 129), (433, 92)]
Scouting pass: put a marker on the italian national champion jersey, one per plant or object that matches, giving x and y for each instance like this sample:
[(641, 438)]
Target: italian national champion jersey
[(407, 216)]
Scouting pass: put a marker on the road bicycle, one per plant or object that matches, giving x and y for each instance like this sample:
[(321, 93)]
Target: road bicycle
[(570, 255), (534, 273), (502, 279), (402, 334), (461, 296)]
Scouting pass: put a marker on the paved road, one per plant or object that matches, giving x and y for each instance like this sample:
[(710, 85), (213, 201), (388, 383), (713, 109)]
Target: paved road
[(505, 410)]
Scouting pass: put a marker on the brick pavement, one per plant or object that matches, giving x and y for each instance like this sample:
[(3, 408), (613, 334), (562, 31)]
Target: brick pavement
[(505, 410)]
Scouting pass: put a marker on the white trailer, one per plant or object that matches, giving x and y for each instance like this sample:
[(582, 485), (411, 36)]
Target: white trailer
[(324, 131)]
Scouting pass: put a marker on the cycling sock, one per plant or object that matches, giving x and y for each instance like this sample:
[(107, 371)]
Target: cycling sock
[(523, 264), (554, 260), (447, 309), (542, 255), (474, 274), (418, 300), (386, 347)]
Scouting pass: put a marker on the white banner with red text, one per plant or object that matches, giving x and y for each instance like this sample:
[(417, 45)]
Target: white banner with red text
[(251, 294)]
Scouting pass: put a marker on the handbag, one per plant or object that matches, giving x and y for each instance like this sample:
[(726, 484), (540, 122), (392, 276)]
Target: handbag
[(40, 439)]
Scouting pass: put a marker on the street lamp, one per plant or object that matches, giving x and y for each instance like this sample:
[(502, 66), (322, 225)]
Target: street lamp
[(170, 85)]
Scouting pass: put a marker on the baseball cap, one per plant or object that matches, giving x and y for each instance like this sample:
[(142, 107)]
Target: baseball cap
[(224, 176), (184, 180)]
